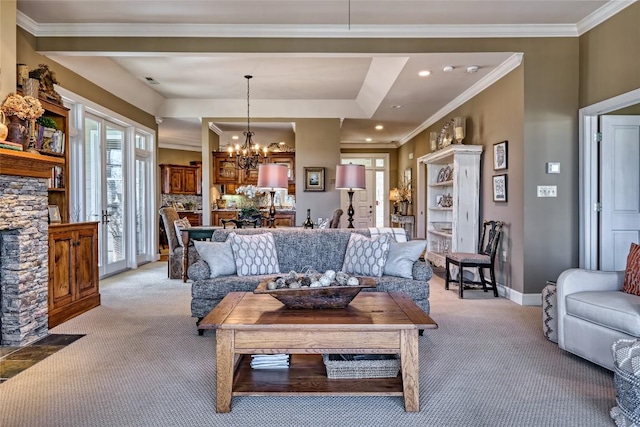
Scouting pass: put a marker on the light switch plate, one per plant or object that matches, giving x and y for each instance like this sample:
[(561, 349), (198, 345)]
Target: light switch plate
[(547, 191)]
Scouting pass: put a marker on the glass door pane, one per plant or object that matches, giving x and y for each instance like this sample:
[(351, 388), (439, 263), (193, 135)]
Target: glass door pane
[(115, 202), (142, 209)]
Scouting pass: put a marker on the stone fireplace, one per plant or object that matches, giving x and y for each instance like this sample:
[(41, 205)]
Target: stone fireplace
[(23, 256)]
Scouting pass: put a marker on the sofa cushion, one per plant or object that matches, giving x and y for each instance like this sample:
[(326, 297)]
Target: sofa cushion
[(631, 284), (612, 309), (366, 256), (255, 255), (219, 257), (402, 256)]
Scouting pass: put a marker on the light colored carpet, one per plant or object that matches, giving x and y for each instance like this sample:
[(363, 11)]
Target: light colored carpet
[(142, 363)]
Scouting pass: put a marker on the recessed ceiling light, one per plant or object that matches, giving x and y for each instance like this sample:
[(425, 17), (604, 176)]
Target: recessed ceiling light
[(448, 68), (234, 137), (424, 73), (472, 69), (368, 139), (379, 127), (396, 106)]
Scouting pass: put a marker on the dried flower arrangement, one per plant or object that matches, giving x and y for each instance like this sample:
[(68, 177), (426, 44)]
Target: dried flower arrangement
[(23, 107)]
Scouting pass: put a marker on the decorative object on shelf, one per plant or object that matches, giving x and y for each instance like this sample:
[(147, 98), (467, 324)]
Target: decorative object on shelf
[(500, 188), (308, 223), (459, 129), (4, 131), (445, 201), (32, 88), (500, 158), (433, 141), (350, 177), (444, 227), (313, 290), (22, 74), (20, 110), (47, 79), (249, 155), (446, 135), (445, 174), (54, 214), (313, 179), (272, 177), (280, 147)]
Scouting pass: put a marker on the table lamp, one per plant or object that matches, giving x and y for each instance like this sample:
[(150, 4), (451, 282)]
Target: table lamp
[(272, 177), (350, 177), (394, 196)]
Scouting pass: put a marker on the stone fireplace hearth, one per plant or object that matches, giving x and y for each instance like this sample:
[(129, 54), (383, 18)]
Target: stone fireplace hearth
[(23, 259)]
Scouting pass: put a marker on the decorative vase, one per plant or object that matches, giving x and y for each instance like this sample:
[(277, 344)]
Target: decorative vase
[(404, 205), (17, 130), (4, 131)]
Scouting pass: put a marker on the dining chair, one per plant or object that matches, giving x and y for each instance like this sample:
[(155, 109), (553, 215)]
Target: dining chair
[(484, 258)]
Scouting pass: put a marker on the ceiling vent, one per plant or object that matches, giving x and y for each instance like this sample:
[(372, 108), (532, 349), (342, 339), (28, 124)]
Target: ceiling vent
[(151, 81)]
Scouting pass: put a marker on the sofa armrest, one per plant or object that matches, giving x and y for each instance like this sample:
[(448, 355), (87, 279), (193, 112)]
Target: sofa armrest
[(581, 280), (199, 270), (422, 271)]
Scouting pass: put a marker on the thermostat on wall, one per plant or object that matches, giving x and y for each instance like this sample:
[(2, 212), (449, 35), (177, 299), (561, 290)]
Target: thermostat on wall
[(553, 167)]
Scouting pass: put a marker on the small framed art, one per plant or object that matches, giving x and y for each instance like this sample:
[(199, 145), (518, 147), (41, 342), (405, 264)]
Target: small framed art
[(54, 214), (500, 188), (500, 157), (313, 179)]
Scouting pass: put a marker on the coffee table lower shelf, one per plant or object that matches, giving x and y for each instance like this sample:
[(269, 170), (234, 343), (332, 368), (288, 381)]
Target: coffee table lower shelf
[(307, 375)]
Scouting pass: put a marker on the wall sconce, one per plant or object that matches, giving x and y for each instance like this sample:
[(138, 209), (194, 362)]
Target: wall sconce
[(459, 128)]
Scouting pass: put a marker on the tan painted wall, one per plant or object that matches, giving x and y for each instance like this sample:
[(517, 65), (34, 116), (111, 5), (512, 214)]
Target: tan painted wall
[(610, 57), (177, 157), (633, 110), (317, 145)]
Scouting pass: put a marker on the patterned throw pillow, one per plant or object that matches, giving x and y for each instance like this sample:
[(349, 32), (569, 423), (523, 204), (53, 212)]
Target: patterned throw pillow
[(366, 256), (255, 254), (632, 273), (218, 255), (402, 256), (179, 224)]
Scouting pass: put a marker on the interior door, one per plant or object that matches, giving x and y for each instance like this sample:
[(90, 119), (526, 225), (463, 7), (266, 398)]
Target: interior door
[(364, 203), (619, 189)]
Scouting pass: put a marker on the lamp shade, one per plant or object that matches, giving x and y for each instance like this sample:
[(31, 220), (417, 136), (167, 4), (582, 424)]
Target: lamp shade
[(350, 177), (394, 195), (272, 176)]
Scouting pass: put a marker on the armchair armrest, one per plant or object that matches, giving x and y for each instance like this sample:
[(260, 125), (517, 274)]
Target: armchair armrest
[(581, 280)]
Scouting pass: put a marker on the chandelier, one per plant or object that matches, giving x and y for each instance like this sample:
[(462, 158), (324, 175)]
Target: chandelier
[(249, 155)]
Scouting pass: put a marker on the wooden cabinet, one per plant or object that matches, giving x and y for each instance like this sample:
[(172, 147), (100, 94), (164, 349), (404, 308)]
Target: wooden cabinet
[(285, 219), (216, 216), (178, 179), (73, 270), (225, 171), (194, 218), (453, 201)]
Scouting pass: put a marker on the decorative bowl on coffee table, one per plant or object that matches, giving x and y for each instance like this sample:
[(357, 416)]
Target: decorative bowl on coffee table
[(316, 298)]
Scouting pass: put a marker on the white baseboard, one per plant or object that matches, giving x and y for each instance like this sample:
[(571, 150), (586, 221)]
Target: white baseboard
[(519, 297)]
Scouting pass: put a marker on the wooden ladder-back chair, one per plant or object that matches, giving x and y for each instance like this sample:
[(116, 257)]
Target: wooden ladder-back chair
[(487, 249)]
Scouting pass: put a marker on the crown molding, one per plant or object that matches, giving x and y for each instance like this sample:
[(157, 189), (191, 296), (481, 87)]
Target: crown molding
[(177, 144), (611, 8), (215, 129), (496, 74), (299, 31), (369, 145)]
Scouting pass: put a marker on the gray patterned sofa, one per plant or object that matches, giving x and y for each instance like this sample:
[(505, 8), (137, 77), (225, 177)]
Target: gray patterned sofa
[(297, 248)]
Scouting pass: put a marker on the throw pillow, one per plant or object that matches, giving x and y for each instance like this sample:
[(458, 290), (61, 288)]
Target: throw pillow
[(218, 255), (255, 254), (631, 283), (402, 256), (179, 224), (366, 256)]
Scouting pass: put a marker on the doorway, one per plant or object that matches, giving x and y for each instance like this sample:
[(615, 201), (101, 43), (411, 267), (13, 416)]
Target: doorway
[(370, 206), (589, 198)]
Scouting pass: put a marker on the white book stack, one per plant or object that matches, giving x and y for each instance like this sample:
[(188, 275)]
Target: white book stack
[(269, 361)]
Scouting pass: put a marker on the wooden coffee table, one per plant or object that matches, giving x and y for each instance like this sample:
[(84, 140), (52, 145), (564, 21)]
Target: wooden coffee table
[(374, 322)]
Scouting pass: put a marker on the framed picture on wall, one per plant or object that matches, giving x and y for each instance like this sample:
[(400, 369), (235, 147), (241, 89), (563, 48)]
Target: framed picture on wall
[(313, 179), (500, 188), (500, 157)]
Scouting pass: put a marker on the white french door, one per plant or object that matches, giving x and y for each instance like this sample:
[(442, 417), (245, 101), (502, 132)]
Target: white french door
[(144, 193), (369, 205), (105, 199)]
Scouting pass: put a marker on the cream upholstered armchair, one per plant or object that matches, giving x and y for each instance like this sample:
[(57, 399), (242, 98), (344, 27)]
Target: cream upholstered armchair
[(593, 313)]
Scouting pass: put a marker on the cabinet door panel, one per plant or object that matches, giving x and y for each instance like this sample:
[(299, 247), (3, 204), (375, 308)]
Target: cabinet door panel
[(190, 181), (86, 271), (176, 179), (60, 269)]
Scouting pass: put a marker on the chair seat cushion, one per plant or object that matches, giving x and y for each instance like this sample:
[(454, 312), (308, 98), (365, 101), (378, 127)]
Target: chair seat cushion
[(469, 257), (611, 309)]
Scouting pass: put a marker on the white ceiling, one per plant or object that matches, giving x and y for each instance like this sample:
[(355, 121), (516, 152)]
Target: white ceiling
[(360, 89)]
